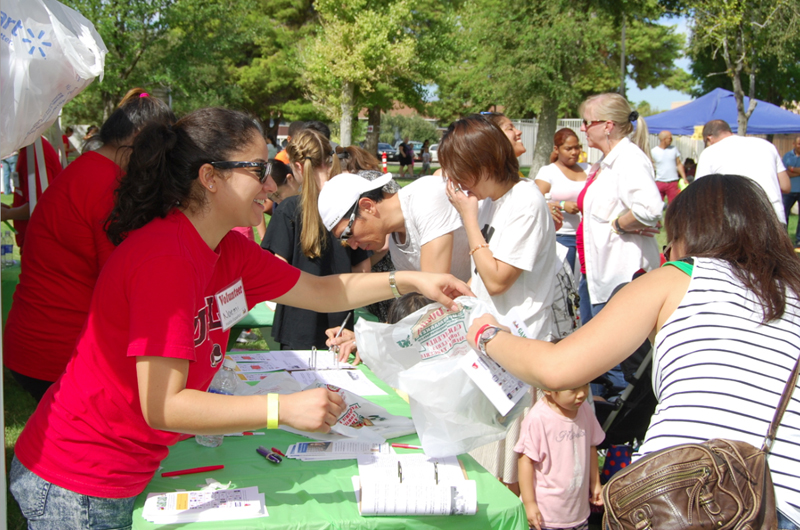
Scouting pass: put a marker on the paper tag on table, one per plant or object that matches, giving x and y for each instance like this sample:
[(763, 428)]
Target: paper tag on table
[(288, 360), (308, 451), (203, 506), (351, 380)]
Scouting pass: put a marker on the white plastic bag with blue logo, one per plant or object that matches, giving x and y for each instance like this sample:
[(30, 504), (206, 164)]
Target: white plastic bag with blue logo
[(48, 54)]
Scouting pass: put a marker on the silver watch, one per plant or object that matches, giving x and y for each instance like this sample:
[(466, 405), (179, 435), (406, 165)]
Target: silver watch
[(487, 335)]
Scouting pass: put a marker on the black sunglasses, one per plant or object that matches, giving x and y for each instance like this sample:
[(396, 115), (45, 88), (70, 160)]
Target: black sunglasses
[(264, 168), (347, 233)]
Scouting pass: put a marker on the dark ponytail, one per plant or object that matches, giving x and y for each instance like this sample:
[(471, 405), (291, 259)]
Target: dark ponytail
[(166, 160), (135, 110)]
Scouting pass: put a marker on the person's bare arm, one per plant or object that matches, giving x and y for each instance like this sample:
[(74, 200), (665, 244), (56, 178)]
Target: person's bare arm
[(17, 213), (340, 292), (784, 182), (168, 405), (497, 275), (681, 169), (527, 489), (437, 255), (602, 343)]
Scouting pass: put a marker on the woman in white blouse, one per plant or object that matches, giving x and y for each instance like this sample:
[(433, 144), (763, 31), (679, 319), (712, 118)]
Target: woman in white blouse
[(621, 205), (564, 179)]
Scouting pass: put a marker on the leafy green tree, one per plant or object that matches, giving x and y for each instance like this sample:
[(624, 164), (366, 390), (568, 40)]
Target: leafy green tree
[(542, 58), (746, 34), (360, 44), (781, 85), (271, 80), (416, 128), (130, 30)]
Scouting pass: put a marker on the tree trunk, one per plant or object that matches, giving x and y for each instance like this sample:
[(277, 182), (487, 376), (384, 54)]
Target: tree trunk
[(623, 71), (546, 124), (108, 105), (374, 121), (346, 122)]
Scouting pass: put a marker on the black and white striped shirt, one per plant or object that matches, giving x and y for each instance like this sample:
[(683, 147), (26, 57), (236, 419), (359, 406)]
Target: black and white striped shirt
[(719, 373)]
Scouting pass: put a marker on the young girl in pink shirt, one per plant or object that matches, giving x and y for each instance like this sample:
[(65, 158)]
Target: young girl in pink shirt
[(558, 471)]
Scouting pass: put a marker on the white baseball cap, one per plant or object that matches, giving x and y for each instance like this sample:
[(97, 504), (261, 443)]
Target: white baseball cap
[(339, 194)]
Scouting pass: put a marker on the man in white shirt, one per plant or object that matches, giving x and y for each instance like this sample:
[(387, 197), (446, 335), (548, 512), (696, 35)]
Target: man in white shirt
[(669, 167), (754, 158), (426, 231)]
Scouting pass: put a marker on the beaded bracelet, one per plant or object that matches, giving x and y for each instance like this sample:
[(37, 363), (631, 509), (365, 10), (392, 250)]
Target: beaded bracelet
[(476, 249)]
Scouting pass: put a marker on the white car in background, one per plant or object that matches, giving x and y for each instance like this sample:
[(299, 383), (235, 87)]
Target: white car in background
[(434, 151)]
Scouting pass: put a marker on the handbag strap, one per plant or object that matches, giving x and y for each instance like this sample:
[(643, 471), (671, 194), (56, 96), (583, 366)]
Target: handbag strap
[(782, 405)]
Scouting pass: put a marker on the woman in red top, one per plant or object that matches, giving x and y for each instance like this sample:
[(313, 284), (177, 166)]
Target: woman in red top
[(65, 248), (154, 334)]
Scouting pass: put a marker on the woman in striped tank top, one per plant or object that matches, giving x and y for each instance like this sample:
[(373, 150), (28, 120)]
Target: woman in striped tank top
[(725, 322)]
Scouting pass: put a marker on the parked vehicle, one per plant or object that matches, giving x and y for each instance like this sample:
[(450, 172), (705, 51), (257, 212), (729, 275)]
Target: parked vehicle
[(434, 151), (392, 155)]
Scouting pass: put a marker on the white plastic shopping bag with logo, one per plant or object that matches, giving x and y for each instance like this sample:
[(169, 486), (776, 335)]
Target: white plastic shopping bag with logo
[(426, 355), (48, 54)]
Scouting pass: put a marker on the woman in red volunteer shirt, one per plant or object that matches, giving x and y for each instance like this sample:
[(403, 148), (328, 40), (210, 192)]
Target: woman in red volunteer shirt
[(151, 343), (65, 248)]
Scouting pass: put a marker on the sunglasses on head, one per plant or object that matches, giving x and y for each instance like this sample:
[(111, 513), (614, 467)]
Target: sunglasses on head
[(264, 168)]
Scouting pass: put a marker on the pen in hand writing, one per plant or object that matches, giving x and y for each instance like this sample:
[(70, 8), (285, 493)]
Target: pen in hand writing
[(335, 349)]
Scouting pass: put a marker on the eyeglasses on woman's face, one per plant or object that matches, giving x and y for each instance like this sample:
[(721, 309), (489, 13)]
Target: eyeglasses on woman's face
[(590, 123), (263, 172)]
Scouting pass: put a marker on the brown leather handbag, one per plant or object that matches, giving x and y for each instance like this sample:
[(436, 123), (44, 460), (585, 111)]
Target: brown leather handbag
[(719, 484)]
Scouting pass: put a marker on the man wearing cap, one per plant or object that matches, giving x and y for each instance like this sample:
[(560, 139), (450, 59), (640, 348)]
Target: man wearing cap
[(426, 231)]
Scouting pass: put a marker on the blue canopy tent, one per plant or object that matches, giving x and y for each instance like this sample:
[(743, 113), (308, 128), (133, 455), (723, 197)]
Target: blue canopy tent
[(720, 104)]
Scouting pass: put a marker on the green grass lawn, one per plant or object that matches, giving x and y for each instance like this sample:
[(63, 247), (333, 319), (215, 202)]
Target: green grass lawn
[(19, 405)]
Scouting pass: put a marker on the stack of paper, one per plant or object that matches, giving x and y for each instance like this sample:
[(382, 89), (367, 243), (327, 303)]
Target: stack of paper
[(311, 451), (204, 506), (413, 484)]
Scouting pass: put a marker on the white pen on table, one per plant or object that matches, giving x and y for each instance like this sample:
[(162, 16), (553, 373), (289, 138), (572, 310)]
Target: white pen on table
[(335, 349)]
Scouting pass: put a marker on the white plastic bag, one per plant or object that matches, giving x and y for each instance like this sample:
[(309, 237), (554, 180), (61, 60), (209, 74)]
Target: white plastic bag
[(48, 54), (421, 355)]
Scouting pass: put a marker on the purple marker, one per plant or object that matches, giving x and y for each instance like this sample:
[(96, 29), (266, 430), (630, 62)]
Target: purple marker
[(269, 455)]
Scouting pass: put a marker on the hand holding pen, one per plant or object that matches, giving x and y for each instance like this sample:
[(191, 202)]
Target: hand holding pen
[(343, 341)]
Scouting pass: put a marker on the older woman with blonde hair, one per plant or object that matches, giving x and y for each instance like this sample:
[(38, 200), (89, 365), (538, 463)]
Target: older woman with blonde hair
[(620, 203), (296, 235)]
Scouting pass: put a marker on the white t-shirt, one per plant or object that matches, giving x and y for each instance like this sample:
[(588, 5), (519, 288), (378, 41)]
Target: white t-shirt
[(666, 163), (429, 215), (521, 233), (754, 158), (563, 189)]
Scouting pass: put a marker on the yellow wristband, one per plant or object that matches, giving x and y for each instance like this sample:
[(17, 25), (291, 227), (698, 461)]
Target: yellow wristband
[(272, 411), (393, 285)]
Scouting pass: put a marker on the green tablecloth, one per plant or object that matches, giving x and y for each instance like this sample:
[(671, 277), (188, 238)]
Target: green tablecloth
[(318, 495), (10, 280)]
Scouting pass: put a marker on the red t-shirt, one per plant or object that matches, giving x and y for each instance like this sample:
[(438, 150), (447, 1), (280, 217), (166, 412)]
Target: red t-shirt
[(53, 166), (154, 297), (65, 248)]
